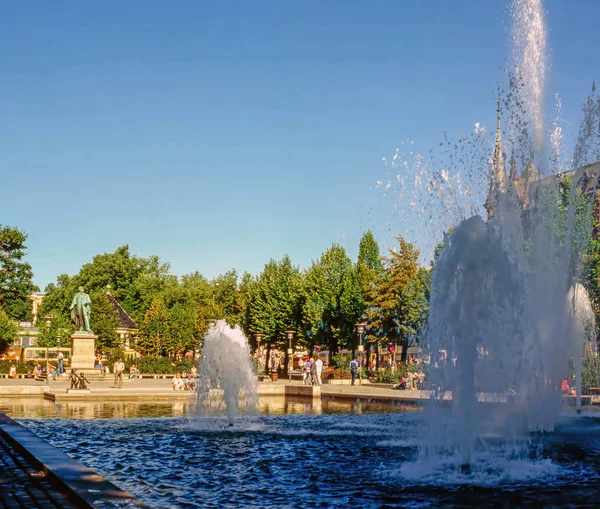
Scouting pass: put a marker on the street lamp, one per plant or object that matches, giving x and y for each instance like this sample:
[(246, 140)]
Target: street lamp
[(360, 330), (290, 336), (258, 340), (58, 355), (48, 322), (257, 350)]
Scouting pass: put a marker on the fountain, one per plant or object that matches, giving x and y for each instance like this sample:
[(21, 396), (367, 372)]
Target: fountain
[(507, 307), (225, 372)]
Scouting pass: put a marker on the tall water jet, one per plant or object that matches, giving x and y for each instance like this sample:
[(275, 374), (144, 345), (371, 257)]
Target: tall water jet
[(506, 313), (530, 59), (583, 332), (225, 372), (476, 304)]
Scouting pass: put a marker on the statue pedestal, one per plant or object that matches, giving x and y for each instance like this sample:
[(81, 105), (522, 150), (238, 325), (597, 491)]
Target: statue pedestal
[(83, 351)]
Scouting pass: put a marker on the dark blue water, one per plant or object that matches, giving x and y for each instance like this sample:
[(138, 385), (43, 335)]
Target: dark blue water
[(328, 460)]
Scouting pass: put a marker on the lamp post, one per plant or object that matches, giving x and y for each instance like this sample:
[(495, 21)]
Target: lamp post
[(48, 322), (58, 354), (258, 340), (257, 350), (290, 336), (360, 329)]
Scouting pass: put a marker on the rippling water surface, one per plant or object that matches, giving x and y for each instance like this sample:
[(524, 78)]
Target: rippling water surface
[(320, 459)]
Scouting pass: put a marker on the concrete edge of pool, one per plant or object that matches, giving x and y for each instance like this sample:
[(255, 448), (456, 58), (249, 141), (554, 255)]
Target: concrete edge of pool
[(161, 391), (79, 484)]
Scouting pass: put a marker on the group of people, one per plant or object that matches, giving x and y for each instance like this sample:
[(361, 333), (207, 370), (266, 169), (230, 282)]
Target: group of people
[(566, 389), (311, 371), (38, 370), (413, 380), (184, 382)]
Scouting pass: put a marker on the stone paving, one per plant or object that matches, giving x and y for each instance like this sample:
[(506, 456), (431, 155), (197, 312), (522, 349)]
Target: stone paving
[(36, 475), (22, 486)]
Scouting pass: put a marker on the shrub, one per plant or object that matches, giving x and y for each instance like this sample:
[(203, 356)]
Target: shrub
[(151, 365), (336, 374), (22, 367), (386, 376), (185, 365), (340, 363), (591, 373)]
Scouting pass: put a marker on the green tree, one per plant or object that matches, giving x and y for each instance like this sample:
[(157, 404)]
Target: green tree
[(16, 276), (104, 320), (369, 267), (332, 300), (57, 297), (273, 302), (155, 336), (58, 334), (182, 333), (397, 304), (368, 253), (133, 281), (227, 298), (8, 331), (591, 274)]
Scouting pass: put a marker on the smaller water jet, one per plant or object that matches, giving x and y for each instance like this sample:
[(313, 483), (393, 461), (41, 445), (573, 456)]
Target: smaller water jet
[(225, 373)]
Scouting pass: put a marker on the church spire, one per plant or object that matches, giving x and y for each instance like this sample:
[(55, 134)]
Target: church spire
[(513, 175), (498, 177), (498, 168)]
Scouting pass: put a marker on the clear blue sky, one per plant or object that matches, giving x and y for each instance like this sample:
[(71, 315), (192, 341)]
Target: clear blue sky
[(219, 135)]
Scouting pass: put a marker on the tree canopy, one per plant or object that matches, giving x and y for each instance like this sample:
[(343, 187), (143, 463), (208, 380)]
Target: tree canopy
[(16, 276)]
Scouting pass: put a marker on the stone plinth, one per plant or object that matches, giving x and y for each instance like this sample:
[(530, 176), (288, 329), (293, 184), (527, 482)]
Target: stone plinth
[(83, 351)]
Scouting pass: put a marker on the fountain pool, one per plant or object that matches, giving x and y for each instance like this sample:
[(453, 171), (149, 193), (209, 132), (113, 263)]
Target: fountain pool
[(362, 460)]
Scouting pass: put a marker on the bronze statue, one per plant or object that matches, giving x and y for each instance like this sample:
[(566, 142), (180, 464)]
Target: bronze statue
[(83, 381), (74, 380), (78, 381), (80, 310)]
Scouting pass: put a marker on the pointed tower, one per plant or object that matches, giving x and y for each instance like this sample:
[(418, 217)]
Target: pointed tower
[(498, 176), (512, 183), (513, 175)]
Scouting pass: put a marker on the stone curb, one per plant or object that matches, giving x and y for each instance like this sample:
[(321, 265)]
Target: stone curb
[(84, 487)]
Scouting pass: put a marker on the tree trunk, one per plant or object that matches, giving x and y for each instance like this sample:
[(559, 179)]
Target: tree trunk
[(267, 366), (404, 350), (335, 347)]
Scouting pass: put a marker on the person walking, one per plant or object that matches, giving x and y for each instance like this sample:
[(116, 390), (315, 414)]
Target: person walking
[(60, 369), (318, 371), (118, 369), (353, 369), (313, 372), (307, 368)]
